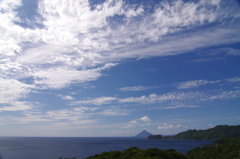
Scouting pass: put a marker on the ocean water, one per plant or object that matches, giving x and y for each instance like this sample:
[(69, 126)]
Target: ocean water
[(82, 147)]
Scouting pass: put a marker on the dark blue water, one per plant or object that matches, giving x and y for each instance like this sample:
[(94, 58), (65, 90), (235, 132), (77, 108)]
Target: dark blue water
[(82, 147)]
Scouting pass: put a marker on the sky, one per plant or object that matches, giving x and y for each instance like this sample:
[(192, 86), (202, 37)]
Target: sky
[(78, 68)]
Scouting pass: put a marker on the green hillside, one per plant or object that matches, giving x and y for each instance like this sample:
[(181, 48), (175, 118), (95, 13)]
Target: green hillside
[(218, 132), (221, 149), (135, 153)]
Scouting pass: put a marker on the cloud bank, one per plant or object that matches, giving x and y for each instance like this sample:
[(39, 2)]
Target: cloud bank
[(78, 40)]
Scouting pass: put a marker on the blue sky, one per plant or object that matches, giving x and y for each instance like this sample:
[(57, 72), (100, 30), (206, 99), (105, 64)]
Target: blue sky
[(116, 67)]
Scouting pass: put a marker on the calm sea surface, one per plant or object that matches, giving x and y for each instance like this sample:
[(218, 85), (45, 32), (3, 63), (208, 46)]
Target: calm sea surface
[(82, 147)]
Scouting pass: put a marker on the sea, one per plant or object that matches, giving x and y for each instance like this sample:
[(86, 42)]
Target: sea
[(83, 147)]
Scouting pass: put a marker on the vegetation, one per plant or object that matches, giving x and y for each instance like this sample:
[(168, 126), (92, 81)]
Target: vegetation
[(155, 137), (221, 149), (218, 132), (135, 153), (225, 146)]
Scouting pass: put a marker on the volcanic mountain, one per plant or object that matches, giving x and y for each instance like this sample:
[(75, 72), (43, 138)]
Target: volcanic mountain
[(144, 133)]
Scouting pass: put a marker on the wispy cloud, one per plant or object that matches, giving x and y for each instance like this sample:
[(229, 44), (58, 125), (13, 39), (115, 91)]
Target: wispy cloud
[(95, 101), (180, 106), (129, 126), (52, 78), (233, 80), (66, 97), (210, 59), (12, 90), (18, 106), (77, 42), (154, 98), (183, 96), (83, 109), (133, 121), (74, 42), (166, 126), (74, 115), (217, 54), (225, 95), (138, 122), (226, 51), (193, 84), (137, 88), (114, 111)]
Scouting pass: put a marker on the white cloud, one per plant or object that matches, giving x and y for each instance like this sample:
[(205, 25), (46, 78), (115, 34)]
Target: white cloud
[(225, 95), (133, 121), (12, 90), (193, 84), (66, 114), (138, 122), (166, 126), (198, 83), (74, 116), (180, 106), (114, 111), (17, 106), (232, 52), (145, 119), (66, 97), (8, 31), (133, 12), (66, 14), (183, 44), (189, 97), (28, 119), (83, 122), (154, 98), (233, 80), (77, 43), (83, 109), (77, 40), (138, 88), (61, 77), (209, 59)]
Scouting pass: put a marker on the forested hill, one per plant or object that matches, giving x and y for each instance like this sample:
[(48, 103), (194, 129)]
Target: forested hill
[(218, 132), (223, 149)]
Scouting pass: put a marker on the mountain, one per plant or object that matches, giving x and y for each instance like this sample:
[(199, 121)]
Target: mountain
[(218, 132), (144, 133)]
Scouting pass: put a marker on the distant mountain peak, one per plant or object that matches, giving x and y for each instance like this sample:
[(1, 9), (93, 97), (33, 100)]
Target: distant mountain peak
[(144, 133)]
